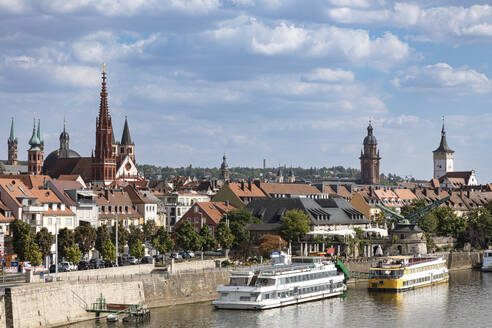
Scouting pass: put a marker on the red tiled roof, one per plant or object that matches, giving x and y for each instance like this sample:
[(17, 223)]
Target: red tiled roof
[(245, 191), (289, 188)]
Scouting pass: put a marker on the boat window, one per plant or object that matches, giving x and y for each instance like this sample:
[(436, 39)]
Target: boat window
[(265, 282), (238, 282)]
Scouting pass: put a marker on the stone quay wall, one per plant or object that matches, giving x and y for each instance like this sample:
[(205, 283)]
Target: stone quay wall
[(64, 302), (99, 274), (193, 266)]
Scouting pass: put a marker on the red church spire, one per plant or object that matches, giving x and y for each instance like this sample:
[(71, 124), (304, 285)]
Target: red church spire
[(104, 161)]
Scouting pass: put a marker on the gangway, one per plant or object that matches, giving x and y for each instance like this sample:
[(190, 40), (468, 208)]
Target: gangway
[(137, 311), (339, 265)]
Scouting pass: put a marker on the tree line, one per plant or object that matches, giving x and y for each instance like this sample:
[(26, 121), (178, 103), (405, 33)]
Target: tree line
[(75, 244)]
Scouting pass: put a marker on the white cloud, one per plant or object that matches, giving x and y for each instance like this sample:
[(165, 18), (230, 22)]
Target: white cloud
[(105, 46), (12, 6), (350, 3), (435, 23), (341, 44), (442, 76), (329, 76)]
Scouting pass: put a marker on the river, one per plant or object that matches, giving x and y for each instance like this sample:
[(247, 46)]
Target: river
[(465, 302)]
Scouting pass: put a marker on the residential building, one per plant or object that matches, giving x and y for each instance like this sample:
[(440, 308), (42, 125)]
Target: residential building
[(55, 214), (206, 213), (116, 205), (178, 203), (458, 179), (146, 206), (239, 194), (290, 190), (6, 217)]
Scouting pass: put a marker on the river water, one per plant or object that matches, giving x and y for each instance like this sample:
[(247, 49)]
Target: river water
[(465, 302)]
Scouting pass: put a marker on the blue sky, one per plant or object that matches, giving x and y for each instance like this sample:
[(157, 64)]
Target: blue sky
[(294, 82)]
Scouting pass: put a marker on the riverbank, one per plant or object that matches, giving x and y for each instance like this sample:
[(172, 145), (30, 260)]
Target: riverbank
[(64, 302)]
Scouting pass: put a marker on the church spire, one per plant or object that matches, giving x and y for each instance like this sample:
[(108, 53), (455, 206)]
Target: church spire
[(443, 145), (125, 138), (34, 141), (12, 137)]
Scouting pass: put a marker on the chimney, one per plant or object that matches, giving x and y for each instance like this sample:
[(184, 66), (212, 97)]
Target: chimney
[(106, 193), (227, 203), (242, 185), (249, 185), (468, 193), (257, 182)]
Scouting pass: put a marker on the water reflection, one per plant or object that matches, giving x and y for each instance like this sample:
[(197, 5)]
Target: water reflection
[(465, 301)]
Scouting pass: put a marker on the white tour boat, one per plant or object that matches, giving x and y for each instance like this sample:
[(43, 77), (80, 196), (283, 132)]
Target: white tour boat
[(487, 261), (304, 279), (399, 273)]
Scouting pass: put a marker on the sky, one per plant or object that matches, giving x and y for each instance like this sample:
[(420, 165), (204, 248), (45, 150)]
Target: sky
[(292, 82)]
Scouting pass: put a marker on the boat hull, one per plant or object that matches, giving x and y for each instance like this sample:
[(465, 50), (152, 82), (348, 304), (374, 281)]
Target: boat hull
[(487, 268), (404, 289), (280, 303)]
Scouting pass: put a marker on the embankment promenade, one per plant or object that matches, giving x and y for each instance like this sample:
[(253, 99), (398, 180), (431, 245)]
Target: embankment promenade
[(64, 301)]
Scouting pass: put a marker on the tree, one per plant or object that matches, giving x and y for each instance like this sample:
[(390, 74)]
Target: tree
[(66, 239), (108, 250), (162, 241), (428, 222), (73, 253), (208, 241), (479, 229), (101, 236), (294, 225), (413, 207), (448, 223), (85, 237), (238, 220), (33, 254), (270, 243), (380, 219), (21, 232), (187, 237), (44, 239), (137, 249), (224, 235), (135, 234), (122, 236), (149, 229)]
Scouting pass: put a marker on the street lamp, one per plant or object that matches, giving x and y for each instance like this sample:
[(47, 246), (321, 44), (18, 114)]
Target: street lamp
[(56, 245)]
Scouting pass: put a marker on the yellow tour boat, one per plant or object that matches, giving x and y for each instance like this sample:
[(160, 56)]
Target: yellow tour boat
[(400, 273)]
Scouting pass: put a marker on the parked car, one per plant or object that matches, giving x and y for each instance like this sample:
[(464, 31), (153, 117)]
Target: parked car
[(159, 258), (109, 264), (63, 267), (191, 254), (83, 265), (185, 255), (132, 260), (147, 260), (96, 264), (73, 267), (176, 255)]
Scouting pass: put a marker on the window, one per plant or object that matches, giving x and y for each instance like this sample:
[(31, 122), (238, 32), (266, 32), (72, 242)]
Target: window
[(68, 222)]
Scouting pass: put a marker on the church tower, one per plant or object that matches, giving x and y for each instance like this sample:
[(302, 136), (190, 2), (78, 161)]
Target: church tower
[(34, 154), (12, 144), (104, 160), (224, 170), (443, 156), (369, 159)]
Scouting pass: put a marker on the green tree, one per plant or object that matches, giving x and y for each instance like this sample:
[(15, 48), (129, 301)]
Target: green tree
[(45, 240), (85, 237), (33, 254), (479, 229), (66, 239), (224, 235), (413, 207), (380, 219), (448, 223), (149, 229), (294, 225), (162, 241), (135, 234), (102, 235), (108, 250), (73, 254), (122, 236), (137, 249), (208, 241), (21, 232), (238, 220), (187, 237), (428, 222)]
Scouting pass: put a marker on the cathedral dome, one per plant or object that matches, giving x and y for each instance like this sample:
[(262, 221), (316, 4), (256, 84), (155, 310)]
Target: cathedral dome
[(63, 152)]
